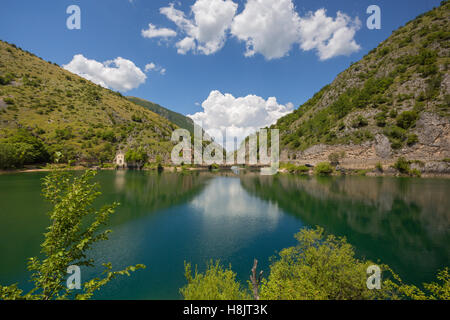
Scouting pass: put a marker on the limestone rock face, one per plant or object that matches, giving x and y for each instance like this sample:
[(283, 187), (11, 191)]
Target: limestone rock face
[(392, 103), (382, 146)]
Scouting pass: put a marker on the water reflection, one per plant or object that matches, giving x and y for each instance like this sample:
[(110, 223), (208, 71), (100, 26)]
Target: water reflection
[(143, 193), (403, 222), (166, 219), (230, 217)]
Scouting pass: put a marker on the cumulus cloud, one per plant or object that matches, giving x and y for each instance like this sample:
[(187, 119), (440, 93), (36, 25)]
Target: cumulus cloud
[(268, 27), (330, 37), (153, 67), (206, 32), (240, 117), (118, 74), (154, 32)]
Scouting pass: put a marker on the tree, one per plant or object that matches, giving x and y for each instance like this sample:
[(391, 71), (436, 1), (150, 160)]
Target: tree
[(68, 239), (323, 169), (217, 283), (138, 157), (407, 119), (319, 267)]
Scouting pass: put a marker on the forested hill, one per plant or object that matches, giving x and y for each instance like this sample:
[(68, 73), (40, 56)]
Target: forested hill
[(394, 102), (174, 117), (46, 110)]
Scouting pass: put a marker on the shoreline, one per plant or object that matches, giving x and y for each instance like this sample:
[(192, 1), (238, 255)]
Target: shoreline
[(390, 172)]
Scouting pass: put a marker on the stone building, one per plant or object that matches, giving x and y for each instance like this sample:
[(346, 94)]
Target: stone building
[(119, 160)]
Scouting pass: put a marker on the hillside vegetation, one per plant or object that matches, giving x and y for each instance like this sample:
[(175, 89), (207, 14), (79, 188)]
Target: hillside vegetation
[(180, 120), (395, 101), (48, 114)]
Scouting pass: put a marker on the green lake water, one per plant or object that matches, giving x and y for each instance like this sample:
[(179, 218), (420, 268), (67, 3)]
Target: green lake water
[(166, 219)]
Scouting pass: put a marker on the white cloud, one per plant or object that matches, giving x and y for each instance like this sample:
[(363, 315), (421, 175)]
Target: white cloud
[(154, 32), (153, 67), (119, 74), (185, 45), (268, 27), (150, 66), (240, 116), (330, 37), (206, 32)]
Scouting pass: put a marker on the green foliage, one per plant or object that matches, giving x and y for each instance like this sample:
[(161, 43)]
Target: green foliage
[(440, 291), (412, 139), (396, 136), (11, 155), (407, 119), (433, 86), (64, 134), (136, 156), (380, 119), (319, 267), (403, 166), (335, 157), (6, 79), (359, 122), (318, 128), (292, 168), (48, 97), (75, 227), (136, 118), (217, 283), (180, 120), (413, 53), (22, 148), (323, 169), (9, 101)]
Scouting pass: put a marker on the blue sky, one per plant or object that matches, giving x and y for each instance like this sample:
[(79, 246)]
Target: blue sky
[(112, 28)]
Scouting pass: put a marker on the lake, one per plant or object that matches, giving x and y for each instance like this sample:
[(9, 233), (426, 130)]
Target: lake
[(168, 218)]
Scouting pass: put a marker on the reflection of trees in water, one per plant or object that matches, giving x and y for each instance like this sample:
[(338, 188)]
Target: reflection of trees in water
[(404, 222), (142, 192)]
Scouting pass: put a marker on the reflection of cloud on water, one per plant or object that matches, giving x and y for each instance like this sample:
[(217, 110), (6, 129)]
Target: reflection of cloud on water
[(230, 217)]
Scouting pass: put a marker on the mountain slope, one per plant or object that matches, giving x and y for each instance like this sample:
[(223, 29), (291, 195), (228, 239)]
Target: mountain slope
[(394, 102), (174, 117), (68, 114)]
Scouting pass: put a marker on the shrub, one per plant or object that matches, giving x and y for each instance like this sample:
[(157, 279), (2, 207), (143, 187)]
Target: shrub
[(9, 101), (335, 157), (6, 79), (380, 119), (318, 267), (396, 136), (64, 134), (402, 165), (407, 119), (359, 122), (412, 139), (323, 169), (396, 144), (393, 113), (217, 283), (136, 118), (415, 173), (136, 157), (292, 168)]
